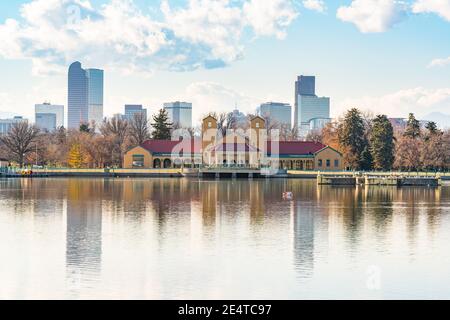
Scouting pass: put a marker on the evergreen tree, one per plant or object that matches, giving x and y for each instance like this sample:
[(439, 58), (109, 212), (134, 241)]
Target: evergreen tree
[(352, 138), (412, 127), (382, 143), (76, 157), (161, 126), (366, 162), (85, 128), (432, 128)]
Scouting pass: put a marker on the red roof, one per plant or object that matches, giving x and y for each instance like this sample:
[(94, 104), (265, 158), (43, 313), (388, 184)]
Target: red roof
[(169, 146), (296, 147), (195, 146)]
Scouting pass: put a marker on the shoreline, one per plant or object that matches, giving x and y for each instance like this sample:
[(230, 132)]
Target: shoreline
[(206, 174)]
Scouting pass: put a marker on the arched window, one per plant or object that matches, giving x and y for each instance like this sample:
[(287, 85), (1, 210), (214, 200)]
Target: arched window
[(157, 163), (167, 164)]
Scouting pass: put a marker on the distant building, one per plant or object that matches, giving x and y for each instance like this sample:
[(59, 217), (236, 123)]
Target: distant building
[(180, 113), (85, 96), (6, 124), (276, 111), (46, 121), (238, 118), (318, 123), (132, 109), (95, 95), (47, 109), (305, 86), (308, 106), (402, 123), (4, 163)]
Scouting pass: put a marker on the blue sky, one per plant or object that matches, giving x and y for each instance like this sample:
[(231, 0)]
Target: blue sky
[(382, 55)]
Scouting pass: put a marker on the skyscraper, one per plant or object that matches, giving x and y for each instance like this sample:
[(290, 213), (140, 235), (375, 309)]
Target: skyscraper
[(95, 95), (132, 109), (180, 113), (308, 106), (47, 109), (280, 113), (85, 95)]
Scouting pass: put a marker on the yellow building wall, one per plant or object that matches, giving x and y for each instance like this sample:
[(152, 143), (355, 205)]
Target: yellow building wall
[(328, 154), (128, 158)]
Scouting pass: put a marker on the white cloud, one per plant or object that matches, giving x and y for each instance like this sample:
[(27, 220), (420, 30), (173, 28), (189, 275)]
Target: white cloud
[(439, 62), (372, 16), (316, 5), (420, 101), (269, 17), (201, 34), (439, 7)]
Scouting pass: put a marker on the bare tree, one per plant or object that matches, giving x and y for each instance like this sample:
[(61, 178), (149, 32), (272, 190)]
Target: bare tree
[(116, 129), (315, 135), (20, 140), (139, 129)]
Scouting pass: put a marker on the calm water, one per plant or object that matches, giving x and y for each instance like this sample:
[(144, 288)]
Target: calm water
[(188, 239)]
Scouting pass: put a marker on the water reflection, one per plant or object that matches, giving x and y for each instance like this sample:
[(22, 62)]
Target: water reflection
[(84, 233), (181, 238)]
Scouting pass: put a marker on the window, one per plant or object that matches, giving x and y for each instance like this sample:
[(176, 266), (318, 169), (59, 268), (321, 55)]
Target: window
[(138, 160), (257, 125), (336, 163), (328, 163), (209, 124), (320, 162)]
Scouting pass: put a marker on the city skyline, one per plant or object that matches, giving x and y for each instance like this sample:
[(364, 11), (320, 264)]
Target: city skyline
[(254, 63)]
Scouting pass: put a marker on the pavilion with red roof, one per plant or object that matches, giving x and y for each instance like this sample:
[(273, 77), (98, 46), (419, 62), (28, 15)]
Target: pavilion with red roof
[(250, 150)]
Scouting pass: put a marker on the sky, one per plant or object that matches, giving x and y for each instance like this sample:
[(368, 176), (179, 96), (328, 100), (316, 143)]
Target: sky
[(386, 56)]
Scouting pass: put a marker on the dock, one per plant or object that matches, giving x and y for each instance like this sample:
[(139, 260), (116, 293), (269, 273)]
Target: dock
[(371, 179)]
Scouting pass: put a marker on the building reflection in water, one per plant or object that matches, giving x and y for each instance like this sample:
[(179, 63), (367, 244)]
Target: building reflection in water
[(84, 233), (303, 223)]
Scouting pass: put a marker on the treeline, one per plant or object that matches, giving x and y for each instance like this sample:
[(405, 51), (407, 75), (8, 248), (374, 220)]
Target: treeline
[(366, 142), (88, 147), (372, 143)]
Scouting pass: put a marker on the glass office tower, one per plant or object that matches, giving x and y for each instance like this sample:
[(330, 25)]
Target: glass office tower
[(280, 113), (85, 96), (48, 108), (77, 103), (308, 106), (6, 124), (180, 113), (95, 95), (132, 109), (46, 121)]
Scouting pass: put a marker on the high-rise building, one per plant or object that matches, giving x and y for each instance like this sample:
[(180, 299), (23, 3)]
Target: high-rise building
[(85, 95), (46, 109), (308, 106), (6, 124), (132, 109), (46, 121), (95, 95), (305, 86), (180, 113), (280, 113), (318, 123)]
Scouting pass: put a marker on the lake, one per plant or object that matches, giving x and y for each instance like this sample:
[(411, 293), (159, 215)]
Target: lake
[(193, 239)]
